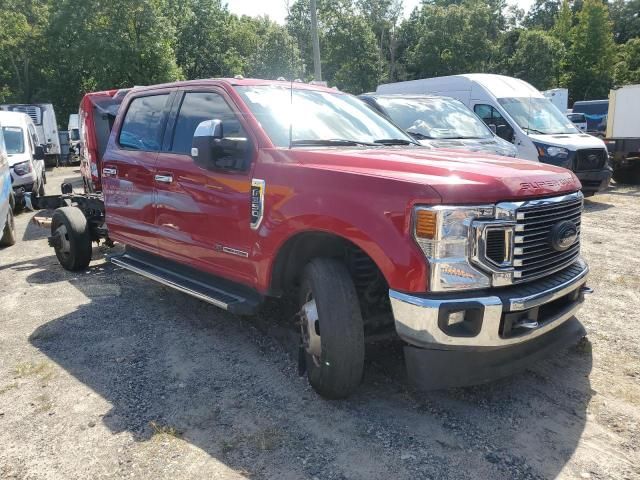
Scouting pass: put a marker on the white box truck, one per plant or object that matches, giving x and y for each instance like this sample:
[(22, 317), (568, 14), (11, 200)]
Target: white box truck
[(44, 118), (520, 114), (559, 97), (623, 133)]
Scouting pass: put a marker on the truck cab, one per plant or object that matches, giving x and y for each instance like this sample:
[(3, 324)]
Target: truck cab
[(522, 115), (238, 190)]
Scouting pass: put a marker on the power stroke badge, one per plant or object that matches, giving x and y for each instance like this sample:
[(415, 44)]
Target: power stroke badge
[(257, 202)]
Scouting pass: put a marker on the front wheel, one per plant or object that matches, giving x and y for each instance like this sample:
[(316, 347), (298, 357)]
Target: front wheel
[(70, 238), (332, 328)]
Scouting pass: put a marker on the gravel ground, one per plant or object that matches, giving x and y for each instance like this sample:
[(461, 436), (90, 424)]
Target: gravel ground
[(105, 374)]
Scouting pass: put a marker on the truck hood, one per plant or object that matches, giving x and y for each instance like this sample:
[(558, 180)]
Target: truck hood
[(571, 141), (458, 177), (18, 158)]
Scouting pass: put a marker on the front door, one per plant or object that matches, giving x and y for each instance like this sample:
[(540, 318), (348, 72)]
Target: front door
[(203, 212), (129, 169)]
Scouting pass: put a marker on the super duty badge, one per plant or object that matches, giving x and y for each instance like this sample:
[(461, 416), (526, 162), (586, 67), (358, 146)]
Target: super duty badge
[(257, 202)]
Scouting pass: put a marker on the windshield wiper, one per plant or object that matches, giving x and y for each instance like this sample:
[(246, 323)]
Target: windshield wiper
[(420, 136), (393, 141), (528, 129), (332, 142)]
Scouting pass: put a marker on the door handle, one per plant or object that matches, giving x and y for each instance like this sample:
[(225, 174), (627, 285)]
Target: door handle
[(109, 171), (164, 178)]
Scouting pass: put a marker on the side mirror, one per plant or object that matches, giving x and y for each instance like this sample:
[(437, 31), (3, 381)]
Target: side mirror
[(210, 149), (39, 153), (493, 128)]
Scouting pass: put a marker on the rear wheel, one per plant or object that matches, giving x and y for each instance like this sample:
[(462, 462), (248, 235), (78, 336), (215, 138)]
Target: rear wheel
[(331, 328), (70, 238), (9, 233), (41, 192), (629, 175)]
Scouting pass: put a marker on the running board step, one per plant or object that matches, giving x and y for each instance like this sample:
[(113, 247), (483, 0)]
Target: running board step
[(218, 292)]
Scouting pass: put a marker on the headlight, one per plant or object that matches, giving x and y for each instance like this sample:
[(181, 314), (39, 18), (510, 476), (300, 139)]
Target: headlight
[(444, 235), (22, 168), (559, 152)]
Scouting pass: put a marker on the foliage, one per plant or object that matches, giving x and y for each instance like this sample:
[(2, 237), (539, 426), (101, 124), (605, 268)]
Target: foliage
[(592, 54), (55, 50)]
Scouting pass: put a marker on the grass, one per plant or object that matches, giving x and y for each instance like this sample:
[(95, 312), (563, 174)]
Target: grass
[(265, 440), (160, 432), (44, 370), (8, 388)]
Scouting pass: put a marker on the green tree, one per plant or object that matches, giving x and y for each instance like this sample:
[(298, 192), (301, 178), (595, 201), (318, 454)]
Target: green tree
[(536, 59), (625, 15), (592, 55), (542, 14), (444, 40), (22, 49), (627, 69)]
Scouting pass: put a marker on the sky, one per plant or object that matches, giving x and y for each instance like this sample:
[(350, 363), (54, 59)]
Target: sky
[(277, 9)]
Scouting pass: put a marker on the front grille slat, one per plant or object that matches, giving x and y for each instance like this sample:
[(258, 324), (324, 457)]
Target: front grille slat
[(590, 159), (535, 257)]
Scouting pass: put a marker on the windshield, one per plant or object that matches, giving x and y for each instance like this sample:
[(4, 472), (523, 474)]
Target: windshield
[(537, 115), (13, 140), (318, 118), (434, 117)]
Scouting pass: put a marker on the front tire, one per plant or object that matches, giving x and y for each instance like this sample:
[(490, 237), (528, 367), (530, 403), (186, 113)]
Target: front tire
[(9, 233), (332, 328), (71, 238)]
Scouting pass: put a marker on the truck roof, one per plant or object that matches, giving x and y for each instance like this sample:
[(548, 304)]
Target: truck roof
[(234, 82), (14, 118), (500, 86)]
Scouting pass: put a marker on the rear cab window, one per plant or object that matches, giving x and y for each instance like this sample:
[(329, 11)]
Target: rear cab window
[(143, 123)]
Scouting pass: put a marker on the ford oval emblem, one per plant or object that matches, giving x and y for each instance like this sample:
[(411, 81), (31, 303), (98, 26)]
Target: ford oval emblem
[(563, 235)]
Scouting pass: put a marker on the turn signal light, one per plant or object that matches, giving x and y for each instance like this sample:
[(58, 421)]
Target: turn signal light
[(426, 224)]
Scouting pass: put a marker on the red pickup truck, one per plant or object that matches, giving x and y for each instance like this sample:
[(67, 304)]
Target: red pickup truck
[(235, 190)]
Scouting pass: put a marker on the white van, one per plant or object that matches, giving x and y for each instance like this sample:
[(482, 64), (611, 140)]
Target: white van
[(44, 119), (519, 113), (26, 155)]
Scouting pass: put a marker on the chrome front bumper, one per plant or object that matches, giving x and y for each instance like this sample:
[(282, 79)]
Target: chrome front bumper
[(534, 309)]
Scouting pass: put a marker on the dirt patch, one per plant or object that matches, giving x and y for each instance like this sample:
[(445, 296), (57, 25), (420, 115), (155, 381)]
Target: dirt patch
[(105, 374)]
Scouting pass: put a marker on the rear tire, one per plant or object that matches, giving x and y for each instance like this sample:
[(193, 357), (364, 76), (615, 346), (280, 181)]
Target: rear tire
[(9, 232), (73, 243), (41, 192), (627, 175), (337, 371)]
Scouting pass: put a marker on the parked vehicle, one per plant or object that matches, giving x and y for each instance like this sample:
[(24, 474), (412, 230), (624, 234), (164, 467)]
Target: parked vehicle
[(521, 115), (7, 225), (44, 119), (74, 138), (26, 155), (440, 122), (235, 190), (559, 97), (96, 115), (579, 120), (623, 133), (595, 111), (65, 147)]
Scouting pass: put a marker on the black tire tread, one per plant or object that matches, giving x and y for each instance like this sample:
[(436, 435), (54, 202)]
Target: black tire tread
[(9, 233), (79, 238), (341, 329)]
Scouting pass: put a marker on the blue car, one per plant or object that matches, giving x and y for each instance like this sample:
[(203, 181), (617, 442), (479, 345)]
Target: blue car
[(7, 225)]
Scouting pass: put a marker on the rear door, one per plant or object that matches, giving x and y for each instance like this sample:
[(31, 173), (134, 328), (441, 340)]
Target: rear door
[(203, 214), (129, 168)]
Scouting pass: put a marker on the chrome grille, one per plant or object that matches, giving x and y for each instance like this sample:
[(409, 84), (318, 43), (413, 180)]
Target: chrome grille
[(533, 255)]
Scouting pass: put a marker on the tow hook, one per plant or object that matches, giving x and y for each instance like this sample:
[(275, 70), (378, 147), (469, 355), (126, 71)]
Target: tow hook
[(586, 290)]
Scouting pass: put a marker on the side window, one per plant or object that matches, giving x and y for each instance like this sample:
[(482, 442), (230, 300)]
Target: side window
[(198, 107), (33, 135), (491, 116), (142, 124)]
